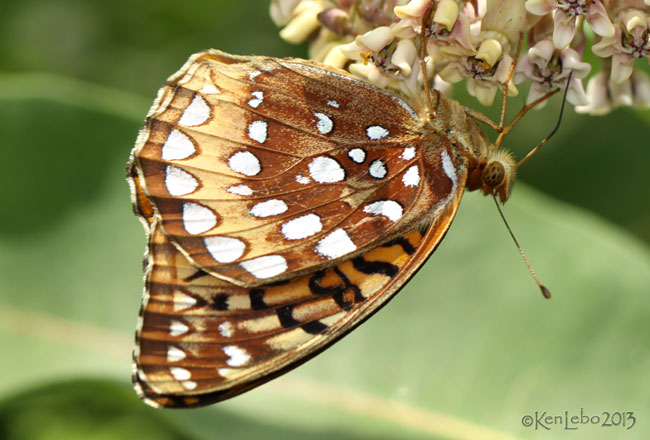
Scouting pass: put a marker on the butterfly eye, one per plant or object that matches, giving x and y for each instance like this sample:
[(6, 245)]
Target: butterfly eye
[(494, 173), (499, 174)]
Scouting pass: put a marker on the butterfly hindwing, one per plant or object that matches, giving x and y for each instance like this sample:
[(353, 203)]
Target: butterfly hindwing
[(259, 170), (202, 339)]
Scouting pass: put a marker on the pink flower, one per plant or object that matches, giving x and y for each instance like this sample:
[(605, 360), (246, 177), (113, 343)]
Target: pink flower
[(383, 60), (449, 37), (485, 72), (565, 17), (604, 95), (629, 42), (448, 31), (549, 68)]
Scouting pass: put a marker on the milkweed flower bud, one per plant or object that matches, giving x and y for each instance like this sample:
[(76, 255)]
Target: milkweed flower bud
[(446, 14), (281, 11), (304, 21), (405, 56), (336, 20), (410, 16)]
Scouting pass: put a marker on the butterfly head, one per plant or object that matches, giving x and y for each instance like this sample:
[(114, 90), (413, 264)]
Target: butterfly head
[(499, 173)]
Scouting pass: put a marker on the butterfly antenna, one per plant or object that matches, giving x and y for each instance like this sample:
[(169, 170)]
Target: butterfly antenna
[(557, 126), (423, 63), (545, 291)]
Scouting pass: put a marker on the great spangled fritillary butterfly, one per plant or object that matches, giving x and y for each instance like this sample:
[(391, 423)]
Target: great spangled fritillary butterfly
[(284, 202)]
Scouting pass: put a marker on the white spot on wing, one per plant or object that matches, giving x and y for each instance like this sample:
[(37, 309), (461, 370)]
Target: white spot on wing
[(174, 354), (225, 329), (408, 153), (265, 267), (189, 384), (302, 179), (253, 74), (324, 124), (258, 98), (179, 182), (238, 356), (183, 301), (196, 113), (209, 89), (357, 155), (269, 208), (241, 190), (302, 227), (180, 373), (177, 146), (449, 168), (224, 249), (245, 162), (258, 131), (388, 208), (378, 169), (326, 170), (411, 177), (333, 103), (177, 328), (376, 132), (225, 372), (335, 245), (198, 218)]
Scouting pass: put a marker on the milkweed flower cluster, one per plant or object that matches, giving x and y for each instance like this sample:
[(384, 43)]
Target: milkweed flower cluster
[(476, 41)]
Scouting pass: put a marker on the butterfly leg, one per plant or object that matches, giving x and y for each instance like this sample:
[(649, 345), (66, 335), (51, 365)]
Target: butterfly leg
[(480, 117), (506, 84), (501, 128), (522, 112), (426, 18)]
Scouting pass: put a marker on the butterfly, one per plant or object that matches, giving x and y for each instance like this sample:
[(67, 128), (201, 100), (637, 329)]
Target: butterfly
[(285, 202)]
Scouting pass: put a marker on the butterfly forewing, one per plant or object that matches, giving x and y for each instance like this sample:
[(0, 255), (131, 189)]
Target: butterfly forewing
[(262, 169)]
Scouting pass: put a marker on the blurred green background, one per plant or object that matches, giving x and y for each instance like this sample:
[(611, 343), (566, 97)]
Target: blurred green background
[(465, 351)]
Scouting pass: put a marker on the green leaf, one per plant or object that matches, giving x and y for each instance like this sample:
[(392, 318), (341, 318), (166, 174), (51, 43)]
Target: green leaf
[(82, 410)]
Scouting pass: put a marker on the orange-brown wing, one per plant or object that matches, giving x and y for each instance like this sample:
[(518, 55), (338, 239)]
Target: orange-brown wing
[(261, 169), (201, 339)]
